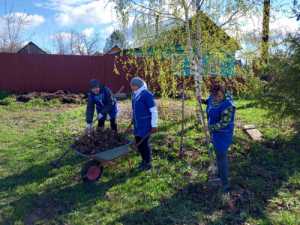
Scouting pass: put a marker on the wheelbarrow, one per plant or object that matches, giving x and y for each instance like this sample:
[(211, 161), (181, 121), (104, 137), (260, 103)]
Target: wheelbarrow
[(93, 169)]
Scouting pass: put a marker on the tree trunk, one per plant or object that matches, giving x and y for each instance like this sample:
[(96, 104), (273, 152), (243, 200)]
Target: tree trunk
[(156, 25), (181, 151), (199, 72), (190, 56), (265, 32)]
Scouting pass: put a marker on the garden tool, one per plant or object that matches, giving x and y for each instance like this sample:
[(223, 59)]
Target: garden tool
[(56, 163), (212, 168)]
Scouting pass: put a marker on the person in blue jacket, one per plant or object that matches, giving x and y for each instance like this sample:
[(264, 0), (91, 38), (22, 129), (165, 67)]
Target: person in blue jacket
[(144, 118), (220, 114), (101, 98)]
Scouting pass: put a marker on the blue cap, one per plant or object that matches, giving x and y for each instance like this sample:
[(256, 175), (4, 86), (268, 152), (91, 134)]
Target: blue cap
[(94, 83)]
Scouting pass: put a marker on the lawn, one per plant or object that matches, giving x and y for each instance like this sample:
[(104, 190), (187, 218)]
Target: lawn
[(265, 176)]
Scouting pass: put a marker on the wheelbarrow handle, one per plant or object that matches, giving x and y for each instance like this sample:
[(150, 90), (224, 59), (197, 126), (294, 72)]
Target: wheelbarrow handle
[(128, 128), (142, 140)]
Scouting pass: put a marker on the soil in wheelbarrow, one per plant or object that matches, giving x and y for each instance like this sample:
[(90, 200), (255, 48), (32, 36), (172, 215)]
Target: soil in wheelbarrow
[(99, 141)]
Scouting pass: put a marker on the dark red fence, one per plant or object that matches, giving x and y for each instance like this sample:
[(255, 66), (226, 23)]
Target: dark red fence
[(27, 73)]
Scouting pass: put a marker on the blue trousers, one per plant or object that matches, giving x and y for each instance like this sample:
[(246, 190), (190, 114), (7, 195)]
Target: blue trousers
[(222, 163)]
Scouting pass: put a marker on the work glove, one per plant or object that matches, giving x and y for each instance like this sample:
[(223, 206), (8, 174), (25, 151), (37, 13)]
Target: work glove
[(100, 116)]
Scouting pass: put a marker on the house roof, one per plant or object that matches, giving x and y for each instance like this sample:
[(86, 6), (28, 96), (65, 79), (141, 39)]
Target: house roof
[(114, 50), (173, 34), (34, 45)]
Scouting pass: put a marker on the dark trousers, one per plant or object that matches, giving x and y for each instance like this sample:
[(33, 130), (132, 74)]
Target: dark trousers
[(222, 163), (113, 124), (144, 149)]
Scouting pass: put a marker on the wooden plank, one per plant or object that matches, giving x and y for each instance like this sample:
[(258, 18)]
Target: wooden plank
[(249, 126), (254, 134)]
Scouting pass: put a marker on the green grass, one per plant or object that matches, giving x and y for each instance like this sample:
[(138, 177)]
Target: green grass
[(265, 180)]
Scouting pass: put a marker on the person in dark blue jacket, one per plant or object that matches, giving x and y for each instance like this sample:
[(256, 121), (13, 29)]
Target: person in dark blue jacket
[(101, 98), (220, 113), (144, 118)]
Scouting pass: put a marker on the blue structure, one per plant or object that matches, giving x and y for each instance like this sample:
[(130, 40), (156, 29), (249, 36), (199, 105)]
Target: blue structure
[(223, 67), (212, 64)]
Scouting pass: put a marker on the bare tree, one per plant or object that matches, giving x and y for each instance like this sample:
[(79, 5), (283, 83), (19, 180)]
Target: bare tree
[(60, 44), (11, 30), (75, 43), (296, 9)]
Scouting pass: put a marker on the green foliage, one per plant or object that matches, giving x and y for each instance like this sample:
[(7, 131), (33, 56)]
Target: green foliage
[(163, 63), (251, 85), (7, 101), (281, 95), (5, 98), (3, 94), (117, 38)]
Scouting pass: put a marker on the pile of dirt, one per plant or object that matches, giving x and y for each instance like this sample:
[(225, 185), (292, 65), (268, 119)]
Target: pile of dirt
[(99, 141), (62, 96)]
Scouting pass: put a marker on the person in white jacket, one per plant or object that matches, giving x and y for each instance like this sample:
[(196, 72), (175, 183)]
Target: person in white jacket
[(144, 118)]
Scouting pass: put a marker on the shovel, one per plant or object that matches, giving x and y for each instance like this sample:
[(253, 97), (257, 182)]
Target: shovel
[(212, 168)]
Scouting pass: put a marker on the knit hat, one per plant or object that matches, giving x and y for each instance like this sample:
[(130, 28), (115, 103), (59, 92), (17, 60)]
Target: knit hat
[(94, 83), (137, 81), (216, 87)]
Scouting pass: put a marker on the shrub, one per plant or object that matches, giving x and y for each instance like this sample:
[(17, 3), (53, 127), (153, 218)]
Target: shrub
[(281, 95), (3, 94)]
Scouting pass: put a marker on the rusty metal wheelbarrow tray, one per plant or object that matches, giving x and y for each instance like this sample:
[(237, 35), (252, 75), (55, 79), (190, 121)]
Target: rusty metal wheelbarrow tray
[(109, 154)]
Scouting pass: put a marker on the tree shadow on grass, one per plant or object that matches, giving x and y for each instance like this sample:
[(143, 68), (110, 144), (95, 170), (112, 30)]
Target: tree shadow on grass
[(35, 173), (256, 176), (168, 140), (40, 171), (49, 205)]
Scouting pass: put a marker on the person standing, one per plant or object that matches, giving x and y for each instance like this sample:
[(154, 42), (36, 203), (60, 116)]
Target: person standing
[(220, 114), (101, 98), (144, 119)]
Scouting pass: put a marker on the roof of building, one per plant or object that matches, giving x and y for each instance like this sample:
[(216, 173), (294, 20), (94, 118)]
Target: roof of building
[(31, 44)]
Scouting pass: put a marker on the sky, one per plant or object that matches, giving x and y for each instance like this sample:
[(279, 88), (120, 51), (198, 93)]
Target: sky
[(49, 17)]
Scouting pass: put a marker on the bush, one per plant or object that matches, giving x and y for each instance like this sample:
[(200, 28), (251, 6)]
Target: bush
[(245, 84), (281, 95), (3, 95)]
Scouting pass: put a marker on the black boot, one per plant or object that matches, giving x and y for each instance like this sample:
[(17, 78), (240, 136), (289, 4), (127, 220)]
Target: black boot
[(113, 125), (101, 124), (146, 166), (141, 165)]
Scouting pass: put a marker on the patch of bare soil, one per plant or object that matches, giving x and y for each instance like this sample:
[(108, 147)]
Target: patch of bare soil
[(62, 96)]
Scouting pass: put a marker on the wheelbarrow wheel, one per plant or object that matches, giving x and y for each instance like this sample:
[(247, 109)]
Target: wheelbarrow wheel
[(92, 171)]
